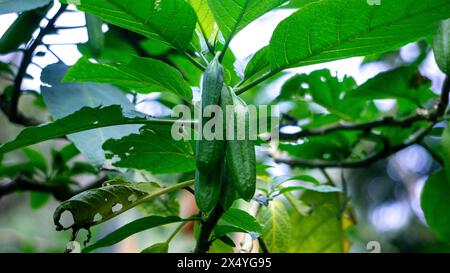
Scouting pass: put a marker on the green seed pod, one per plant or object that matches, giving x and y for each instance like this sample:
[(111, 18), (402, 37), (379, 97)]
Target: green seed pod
[(228, 193), (240, 154), (209, 152), (22, 29), (207, 189)]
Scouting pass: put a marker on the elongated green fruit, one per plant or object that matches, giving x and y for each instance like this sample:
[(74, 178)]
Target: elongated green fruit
[(22, 29), (209, 152), (228, 192), (240, 154), (207, 189)]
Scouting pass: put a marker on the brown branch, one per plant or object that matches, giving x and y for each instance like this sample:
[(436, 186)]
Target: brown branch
[(386, 151), (421, 115), (364, 126), (11, 109), (433, 117), (60, 192), (203, 243)]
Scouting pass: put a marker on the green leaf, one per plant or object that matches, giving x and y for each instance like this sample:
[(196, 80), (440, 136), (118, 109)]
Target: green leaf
[(142, 75), (400, 83), (279, 180), (218, 246), (157, 248), (96, 36), (132, 228), (441, 46), (333, 146), (221, 230), (322, 231), (36, 158), (171, 21), (99, 205), (242, 220), (205, 17), (233, 15), (154, 150), (329, 30), (227, 240), (21, 31), (300, 3), (436, 204), (116, 48), (82, 120), (320, 188), (9, 6), (445, 144), (161, 206), (6, 68), (325, 90), (38, 199), (12, 170), (63, 99), (259, 64), (276, 226)]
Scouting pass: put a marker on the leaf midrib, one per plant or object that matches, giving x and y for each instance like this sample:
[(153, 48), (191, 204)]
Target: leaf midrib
[(351, 38)]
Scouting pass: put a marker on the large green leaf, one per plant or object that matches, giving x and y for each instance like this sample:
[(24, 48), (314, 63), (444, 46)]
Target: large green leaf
[(154, 150), (300, 3), (82, 120), (276, 226), (96, 206), (9, 6), (436, 204), (233, 15), (242, 220), (442, 46), (63, 99), (142, 75), (205, 17), (171, 21), (322, 231), (116, 49), (133, 228), (335, 29), (259, 64)]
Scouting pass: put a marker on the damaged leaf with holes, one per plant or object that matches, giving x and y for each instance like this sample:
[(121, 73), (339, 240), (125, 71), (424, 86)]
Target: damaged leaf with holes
[(95, 206)]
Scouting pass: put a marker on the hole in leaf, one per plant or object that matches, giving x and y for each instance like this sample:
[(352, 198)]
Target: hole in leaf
[(117, 207), (98, 217), (66, 219), (304, 85)]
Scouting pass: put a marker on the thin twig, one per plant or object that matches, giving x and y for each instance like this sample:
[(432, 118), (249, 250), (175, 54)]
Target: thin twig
[(26, 60), (60, 192), (364, 126), (386, 151)]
